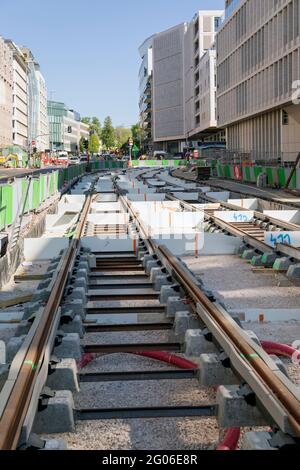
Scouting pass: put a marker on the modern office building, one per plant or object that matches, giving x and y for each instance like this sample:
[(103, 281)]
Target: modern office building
[(258, 63), (146, 94), (200, 74), (20, 97), (168, 88), (177, 87), (66, 128), (38, 128), (6, 94)]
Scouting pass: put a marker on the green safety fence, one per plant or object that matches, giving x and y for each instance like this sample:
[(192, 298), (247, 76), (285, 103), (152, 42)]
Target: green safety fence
[(277, 176), (6, 205)]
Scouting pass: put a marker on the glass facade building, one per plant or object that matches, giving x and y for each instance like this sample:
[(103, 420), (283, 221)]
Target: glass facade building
[(56, 112)]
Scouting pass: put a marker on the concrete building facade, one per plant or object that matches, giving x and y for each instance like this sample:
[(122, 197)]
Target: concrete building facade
[(168, 88), (200, 73), (258, 64), (146, 94), (177, 100), (20, 97), (38, 127), (6, 94)]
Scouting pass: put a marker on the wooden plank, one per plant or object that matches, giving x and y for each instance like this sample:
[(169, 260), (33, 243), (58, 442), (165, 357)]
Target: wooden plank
[(29, 277), (258, 269), (15, 301)]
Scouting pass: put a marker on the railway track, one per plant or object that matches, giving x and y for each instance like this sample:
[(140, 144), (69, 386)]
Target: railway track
[(143, 290)]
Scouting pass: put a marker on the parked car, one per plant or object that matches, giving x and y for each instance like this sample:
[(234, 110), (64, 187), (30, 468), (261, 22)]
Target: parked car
[(160, 155), (62, 158), (84, 159), (73, 160)]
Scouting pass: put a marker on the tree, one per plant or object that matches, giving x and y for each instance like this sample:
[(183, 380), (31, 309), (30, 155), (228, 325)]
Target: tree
[(136, 133), (108, 133), (82, 145), (122, 135), (94, 143), (86, 120), (95, 126)]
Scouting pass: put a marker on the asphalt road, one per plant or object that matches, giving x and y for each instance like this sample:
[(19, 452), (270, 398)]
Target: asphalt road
[(7, 174)]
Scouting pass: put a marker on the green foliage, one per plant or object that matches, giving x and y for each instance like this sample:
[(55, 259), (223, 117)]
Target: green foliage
[(94, 143), (82, 145), (94, 124), (122, 135), (136, 132), (108, 133)]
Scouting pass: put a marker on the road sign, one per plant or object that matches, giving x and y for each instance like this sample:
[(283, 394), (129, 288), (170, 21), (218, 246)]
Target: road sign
[(33, 142), (130, 142)]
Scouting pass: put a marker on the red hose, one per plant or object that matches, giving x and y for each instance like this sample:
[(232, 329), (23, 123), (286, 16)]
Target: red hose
[(232, 436), (281, 349), (231, 440), (180, 362)]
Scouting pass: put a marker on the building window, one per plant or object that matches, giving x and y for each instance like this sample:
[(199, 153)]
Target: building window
[(285, 118), (218, 21)]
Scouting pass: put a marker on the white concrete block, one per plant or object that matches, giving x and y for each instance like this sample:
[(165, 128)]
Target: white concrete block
[(98, 244), (234, 216), (44, 248)]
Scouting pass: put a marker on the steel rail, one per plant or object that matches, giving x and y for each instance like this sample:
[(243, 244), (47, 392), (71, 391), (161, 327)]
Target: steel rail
[(18, 402), (264, 374), (259, 215), (273, 383), (294, 252)]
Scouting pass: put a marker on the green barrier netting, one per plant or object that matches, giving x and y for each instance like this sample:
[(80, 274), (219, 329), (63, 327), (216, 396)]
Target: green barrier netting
[(35, 194), (43, 185), (6, 213), (257, 171), (24, 189), (281, 177), (269, 172), (51, 185)]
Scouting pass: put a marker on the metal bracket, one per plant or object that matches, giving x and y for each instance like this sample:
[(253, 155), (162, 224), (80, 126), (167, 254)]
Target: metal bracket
[(52, 364), (67, 317), (46, 393), (58, 338), (248, 395), (34, 443), (225, 360)]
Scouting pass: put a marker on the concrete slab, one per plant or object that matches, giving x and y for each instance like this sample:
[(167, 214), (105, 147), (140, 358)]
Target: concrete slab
[(116, 218), (214, 244), (105, 206), (44, 248), (185, 196), (60, 222), (105, 244), (250, 203), (234, 216), (219, 195), (292, 216), (146, 197), (288, 238), (107, 197)]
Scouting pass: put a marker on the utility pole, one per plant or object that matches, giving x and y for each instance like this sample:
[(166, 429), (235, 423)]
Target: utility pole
[(130, 143)]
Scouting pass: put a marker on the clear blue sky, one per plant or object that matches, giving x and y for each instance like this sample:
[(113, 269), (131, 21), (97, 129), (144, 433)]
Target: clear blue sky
[(87, 49)]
